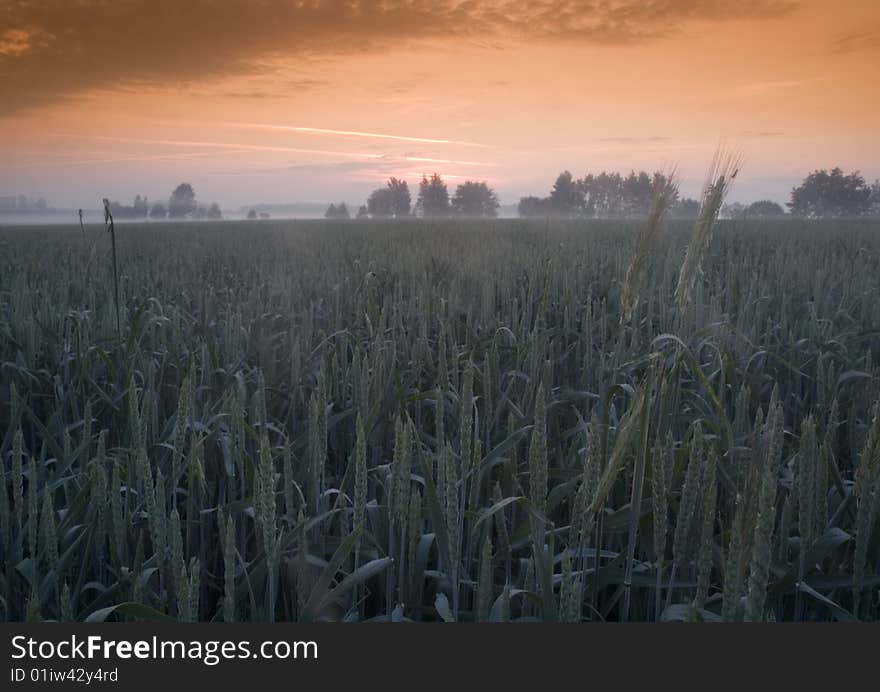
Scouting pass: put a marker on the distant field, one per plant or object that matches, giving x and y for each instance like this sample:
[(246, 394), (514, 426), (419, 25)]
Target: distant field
[(424, 421)]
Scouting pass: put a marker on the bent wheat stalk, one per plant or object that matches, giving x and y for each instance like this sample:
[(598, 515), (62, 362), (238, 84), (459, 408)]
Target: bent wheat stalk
[(724, 169), (665, 192), (108, 222)]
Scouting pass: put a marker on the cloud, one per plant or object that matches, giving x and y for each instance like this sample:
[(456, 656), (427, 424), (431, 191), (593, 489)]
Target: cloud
[(343, 167), (242, 147), (273, 90), (229, 146), (375, 171), (299, 129), (635, 140), (864, 40), (760, 134), (767, 87), (57, 48)]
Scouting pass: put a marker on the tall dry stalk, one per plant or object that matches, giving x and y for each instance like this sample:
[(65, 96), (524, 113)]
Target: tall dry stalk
[(724, 169), (108, 221), (665, 193)]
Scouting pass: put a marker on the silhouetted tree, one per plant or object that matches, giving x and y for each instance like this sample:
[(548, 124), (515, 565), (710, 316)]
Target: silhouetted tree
[(433, 197), (252, 215), (393, 200), (20, 203), (685, 208), (734, 210), (602, 196), (182, 202), (158, 211), (214, 211), (140, 207), (534, 207), (362, 212), (379, 203), (612, 196), (401, 201), (138, 210), (637, 193), (337, 212), (831, 194), (475, 199), (764, 209), (566, 197)]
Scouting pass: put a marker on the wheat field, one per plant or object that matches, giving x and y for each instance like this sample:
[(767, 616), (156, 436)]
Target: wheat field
[(440, 421)]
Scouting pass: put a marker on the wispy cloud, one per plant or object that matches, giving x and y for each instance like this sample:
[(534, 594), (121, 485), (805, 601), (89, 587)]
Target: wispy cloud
[(635, 140), (759, 134), (869, 39), (457, 162), (769, 86), (240, 147), (351, 133), (57, 48)]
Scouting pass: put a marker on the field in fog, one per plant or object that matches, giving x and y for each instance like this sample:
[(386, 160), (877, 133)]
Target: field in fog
[(439, 421)]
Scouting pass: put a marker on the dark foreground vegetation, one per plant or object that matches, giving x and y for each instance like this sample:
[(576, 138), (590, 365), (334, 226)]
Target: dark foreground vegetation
[(439, 421)]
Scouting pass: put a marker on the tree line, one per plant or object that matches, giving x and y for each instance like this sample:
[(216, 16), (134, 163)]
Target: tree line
[(182, 204), (822, 194), (607, 195), (471, 199), (20, 204), (611, 195), (603, 196)]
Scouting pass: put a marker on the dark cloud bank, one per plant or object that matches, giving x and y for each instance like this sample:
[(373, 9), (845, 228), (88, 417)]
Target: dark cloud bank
[(56, 48)]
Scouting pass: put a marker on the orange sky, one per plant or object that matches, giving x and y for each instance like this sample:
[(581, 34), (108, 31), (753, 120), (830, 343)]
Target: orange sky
[(257, 101)]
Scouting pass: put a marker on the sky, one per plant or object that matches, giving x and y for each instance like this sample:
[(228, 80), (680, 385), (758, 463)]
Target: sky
[(253, 101)]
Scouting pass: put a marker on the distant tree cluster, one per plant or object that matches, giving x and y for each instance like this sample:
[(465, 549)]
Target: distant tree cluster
[(823, 194), (21, 204), (137, 210), (212, 211), (182, 202), (473, 199), (335, 211), (603, 196), (433, 201), (607, 195), (834, 194), (181, 205), (390, 202), (762, 209)]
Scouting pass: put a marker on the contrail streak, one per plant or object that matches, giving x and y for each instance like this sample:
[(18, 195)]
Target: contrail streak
[(355, 133), (422, 159), (233, 147)]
